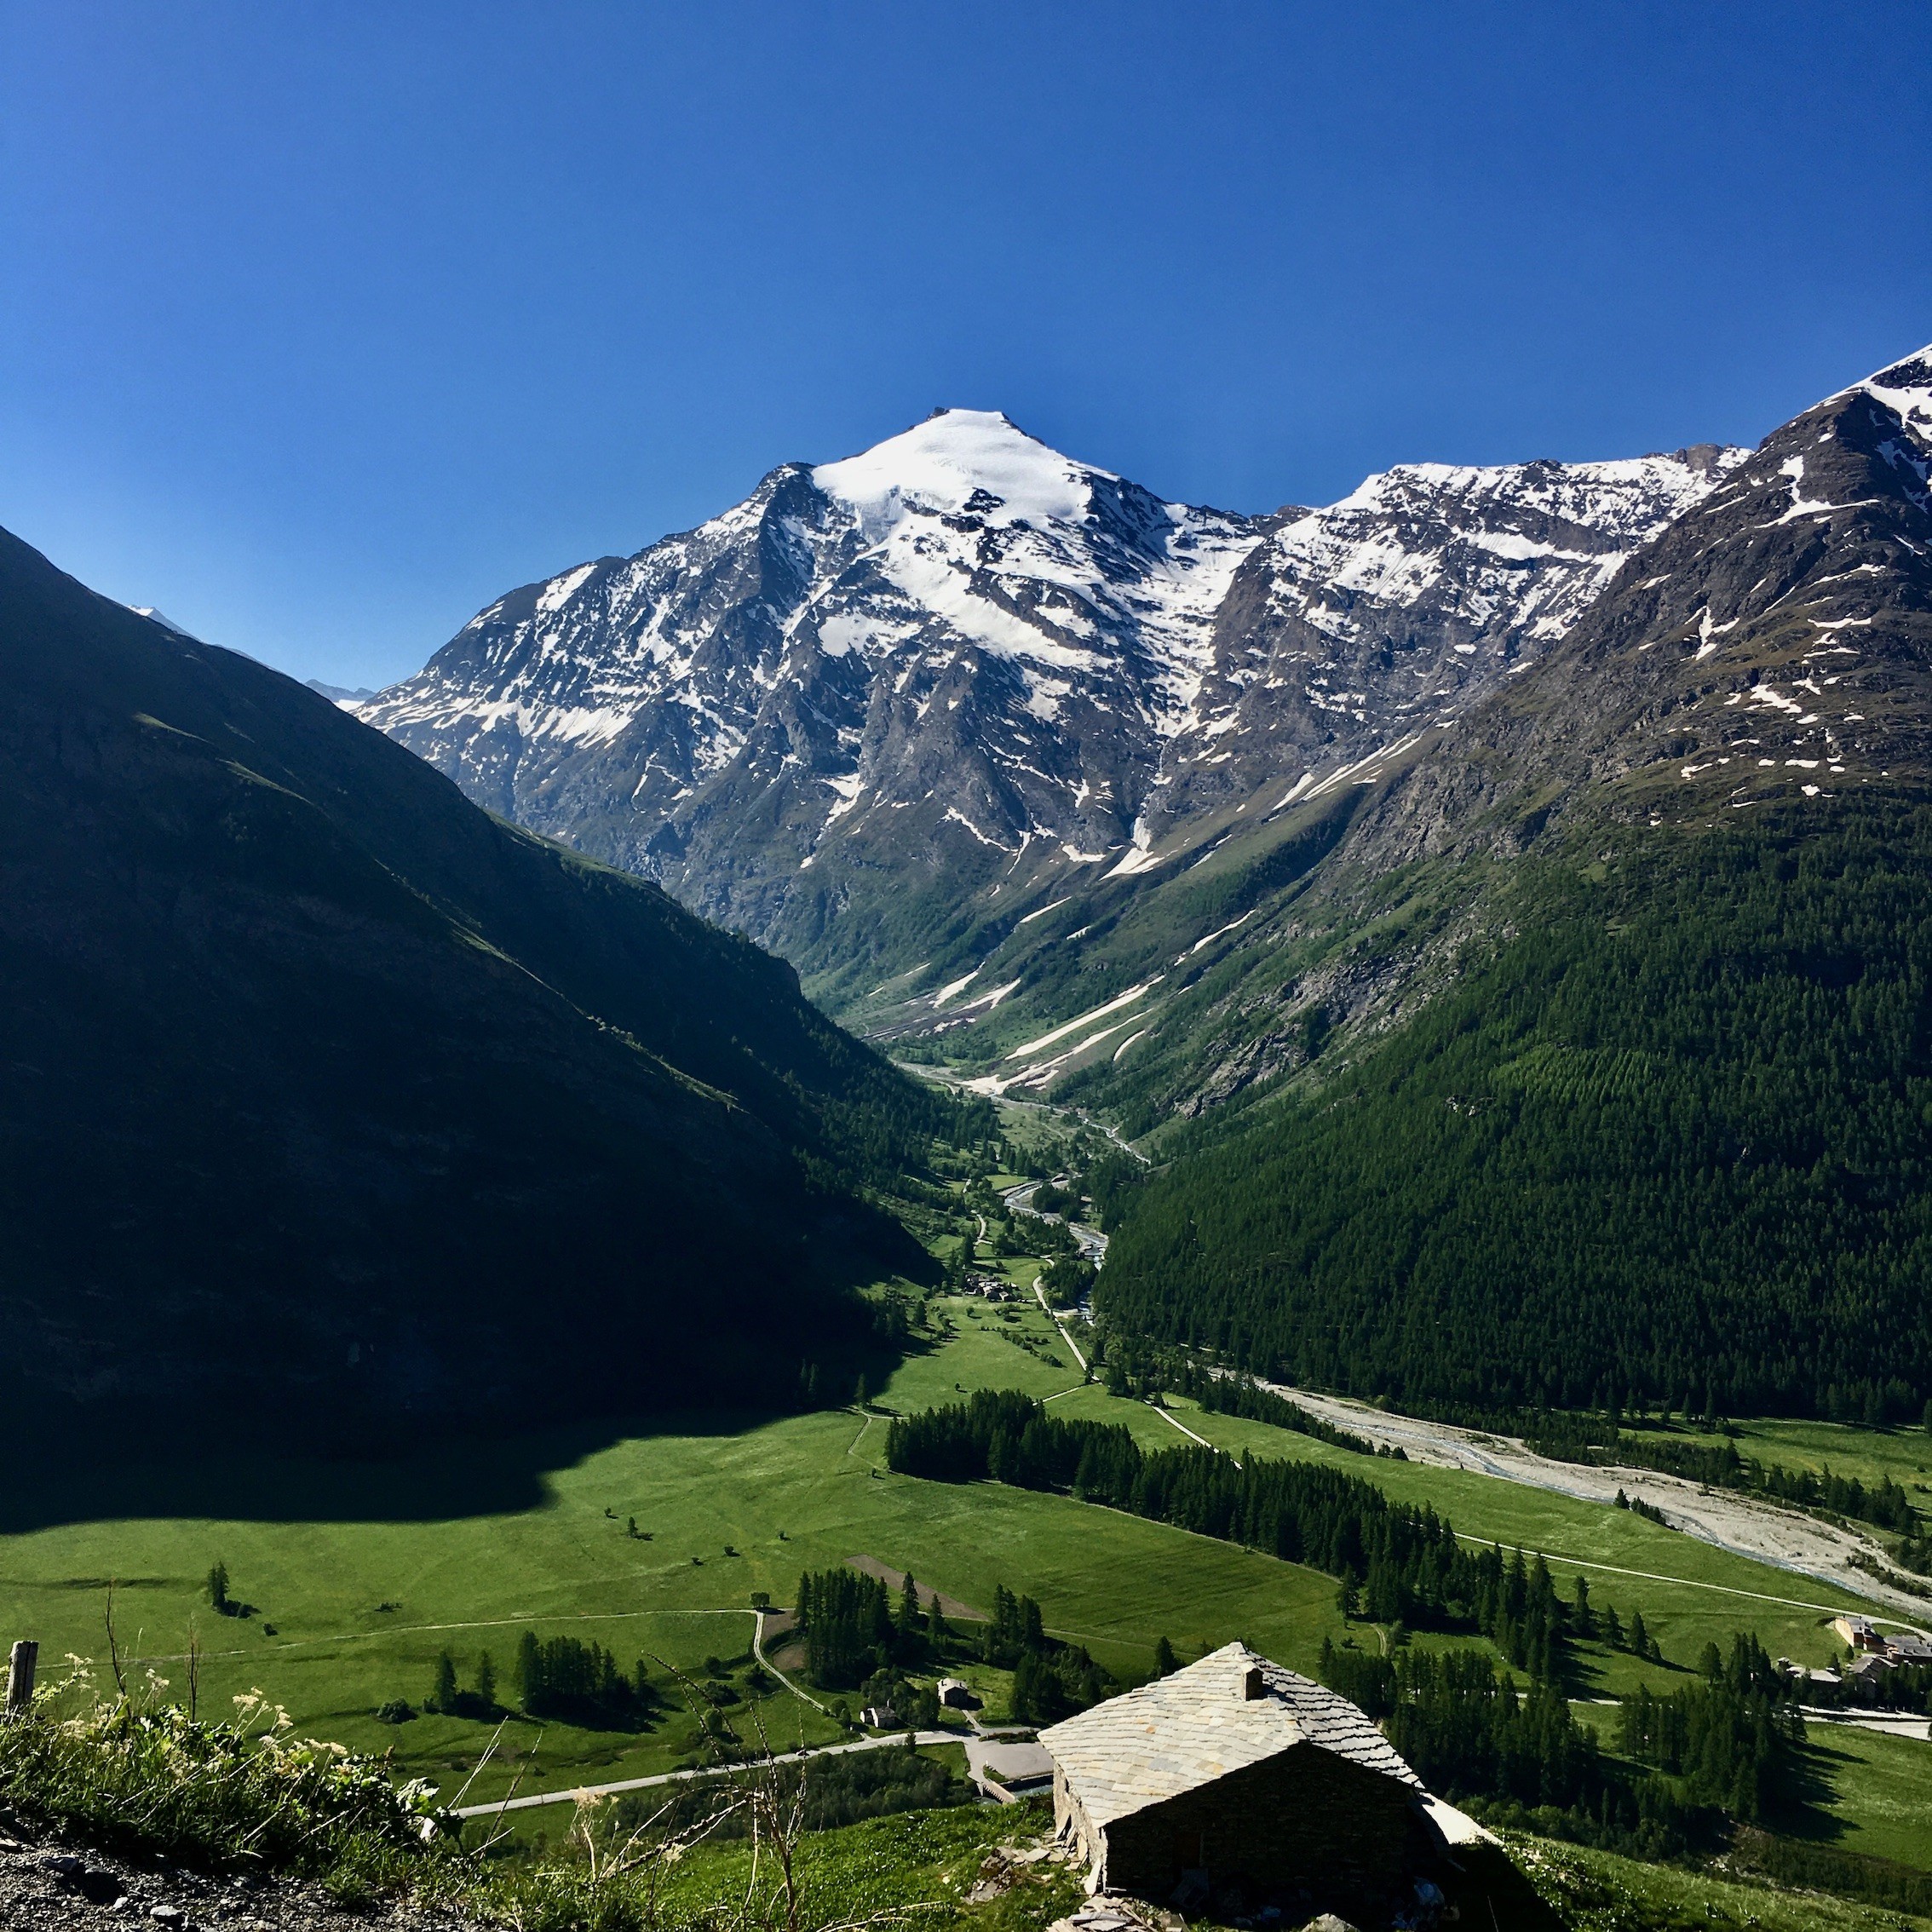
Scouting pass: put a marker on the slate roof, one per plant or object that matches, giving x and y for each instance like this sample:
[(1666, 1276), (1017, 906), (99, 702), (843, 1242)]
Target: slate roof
[(1184, 1731)]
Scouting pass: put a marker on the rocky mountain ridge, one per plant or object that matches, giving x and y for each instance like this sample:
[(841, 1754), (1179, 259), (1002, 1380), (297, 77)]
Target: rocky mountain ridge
[(844, 716), (1770, 653)]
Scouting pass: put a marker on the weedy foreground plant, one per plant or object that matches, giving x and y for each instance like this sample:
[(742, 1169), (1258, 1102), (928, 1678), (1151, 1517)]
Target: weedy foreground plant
[(135, 1775)]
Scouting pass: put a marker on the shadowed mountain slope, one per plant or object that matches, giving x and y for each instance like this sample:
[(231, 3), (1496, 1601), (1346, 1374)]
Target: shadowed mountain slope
[(332, 1104)]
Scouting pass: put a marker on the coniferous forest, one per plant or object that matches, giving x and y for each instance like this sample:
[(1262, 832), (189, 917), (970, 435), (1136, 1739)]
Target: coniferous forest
[(1724, 1742), (1671, 1140)]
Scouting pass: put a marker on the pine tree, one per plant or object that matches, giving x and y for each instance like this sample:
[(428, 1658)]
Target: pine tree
[(444, 1696), (486, 1681), (529, 1669), (909, 1617), (1586, 1622), (1166, 1663), (1640, 1637), (218, 1587), (1033, 1626)]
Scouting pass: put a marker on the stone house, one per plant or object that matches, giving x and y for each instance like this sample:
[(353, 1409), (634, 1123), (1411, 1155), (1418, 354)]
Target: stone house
[(1235, 1772)]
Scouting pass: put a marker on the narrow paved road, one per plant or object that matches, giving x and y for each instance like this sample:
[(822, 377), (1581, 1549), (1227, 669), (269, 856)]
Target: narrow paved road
[(577, 1792), (1039, 1290), (765, 1663), (1168, 1415)]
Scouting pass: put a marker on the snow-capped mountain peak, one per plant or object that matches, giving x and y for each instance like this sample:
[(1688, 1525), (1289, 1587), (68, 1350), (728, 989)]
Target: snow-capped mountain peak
[(1394, 609), (961, 459), (960, 645), (959, 583)]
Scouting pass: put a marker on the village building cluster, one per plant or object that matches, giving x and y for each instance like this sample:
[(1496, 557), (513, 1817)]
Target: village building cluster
[(1877, 1651)]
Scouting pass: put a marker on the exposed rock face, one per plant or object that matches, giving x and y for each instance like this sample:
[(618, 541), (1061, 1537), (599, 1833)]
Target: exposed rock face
[(987, 740), (1395, 608), (933, 654), (1772, 644), (1775, 640), (891, 681)]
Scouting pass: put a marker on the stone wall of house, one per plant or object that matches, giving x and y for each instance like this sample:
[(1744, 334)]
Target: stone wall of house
[(1071, 1825), (1305, 1819)]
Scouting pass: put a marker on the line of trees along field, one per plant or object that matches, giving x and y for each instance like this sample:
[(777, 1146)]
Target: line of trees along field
[(1725, 1744), (1395, 1562), (1885, 1503), (854, 1639), (1728, 1742), (1671, 1141)]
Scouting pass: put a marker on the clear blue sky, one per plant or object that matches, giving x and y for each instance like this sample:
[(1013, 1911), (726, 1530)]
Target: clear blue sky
[(322, 324)]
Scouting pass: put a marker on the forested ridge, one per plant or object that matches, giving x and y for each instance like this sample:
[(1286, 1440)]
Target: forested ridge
[(1670, 1140)]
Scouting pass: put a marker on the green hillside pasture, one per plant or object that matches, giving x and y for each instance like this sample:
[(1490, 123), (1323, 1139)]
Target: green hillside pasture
[(1881, 1805), (1597, 1892), (979, 1356), (1874, 1792), (924, 1863), (801, 1493), (319, 1549), (920, 1863)]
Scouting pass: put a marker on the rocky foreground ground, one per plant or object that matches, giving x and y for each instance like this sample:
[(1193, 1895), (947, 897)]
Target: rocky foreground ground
[(46, 1883)]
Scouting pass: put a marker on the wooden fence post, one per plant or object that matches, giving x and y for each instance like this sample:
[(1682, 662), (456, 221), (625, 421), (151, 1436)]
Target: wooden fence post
[(19, 1675)]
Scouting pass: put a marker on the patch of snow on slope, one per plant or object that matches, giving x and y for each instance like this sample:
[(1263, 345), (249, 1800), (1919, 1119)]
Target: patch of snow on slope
[(954, 988), (559, 590), (1086, 1019), (1043, 911), (849, 788), (953, 813), (1220, 932), (1906, 387)]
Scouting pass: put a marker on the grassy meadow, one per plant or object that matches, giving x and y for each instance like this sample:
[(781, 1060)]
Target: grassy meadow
[(359, 1575), (1903, 1454)]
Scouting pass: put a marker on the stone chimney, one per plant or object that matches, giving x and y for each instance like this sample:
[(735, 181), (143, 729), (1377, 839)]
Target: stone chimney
[(1252, 1683)]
